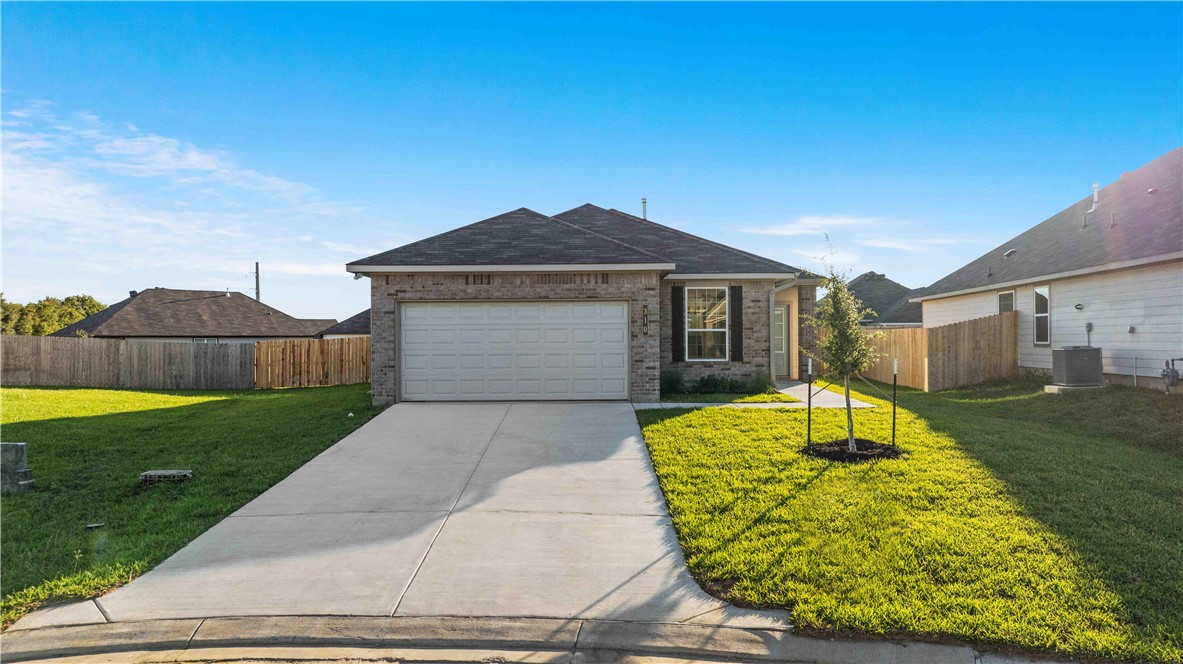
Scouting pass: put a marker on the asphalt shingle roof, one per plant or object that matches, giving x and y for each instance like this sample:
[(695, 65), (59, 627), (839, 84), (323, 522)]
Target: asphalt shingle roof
[(521, 237), (168, 312), (690, 253), (586, 235), (1139, 216), (887, 298), (358, 323)]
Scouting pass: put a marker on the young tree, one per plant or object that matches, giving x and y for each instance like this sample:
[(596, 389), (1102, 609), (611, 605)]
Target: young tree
[(846, 349)]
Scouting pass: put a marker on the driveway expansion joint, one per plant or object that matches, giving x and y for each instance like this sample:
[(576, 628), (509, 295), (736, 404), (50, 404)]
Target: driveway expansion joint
[(451, 510)]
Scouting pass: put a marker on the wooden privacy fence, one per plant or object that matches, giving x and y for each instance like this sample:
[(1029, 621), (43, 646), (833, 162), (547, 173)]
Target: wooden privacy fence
[(163, 365), (939, 358), (312, 362), (149, 365)]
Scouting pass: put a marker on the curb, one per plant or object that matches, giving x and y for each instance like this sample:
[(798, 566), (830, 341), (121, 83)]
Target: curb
[(575, 636)]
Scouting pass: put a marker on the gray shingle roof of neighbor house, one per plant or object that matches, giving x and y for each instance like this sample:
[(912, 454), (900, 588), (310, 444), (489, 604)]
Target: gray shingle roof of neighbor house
[(169, 312), (690, 253), (1138, 217), (358, 323), (520, 237), (586, 235), (887, 298)]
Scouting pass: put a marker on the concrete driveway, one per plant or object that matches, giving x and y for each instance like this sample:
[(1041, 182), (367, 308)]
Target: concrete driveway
[(496, 509)]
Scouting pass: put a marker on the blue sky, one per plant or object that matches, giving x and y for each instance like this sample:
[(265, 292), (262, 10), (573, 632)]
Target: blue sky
[(175, 144)]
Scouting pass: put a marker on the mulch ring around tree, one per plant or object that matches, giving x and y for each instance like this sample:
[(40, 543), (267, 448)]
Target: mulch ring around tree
[(839, 450)]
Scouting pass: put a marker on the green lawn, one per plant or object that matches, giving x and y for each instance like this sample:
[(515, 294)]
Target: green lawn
[(1018, 519), (723, 397), (88, 447)]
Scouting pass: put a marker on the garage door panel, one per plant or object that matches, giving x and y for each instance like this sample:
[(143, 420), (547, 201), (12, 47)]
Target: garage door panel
[(514, 350)]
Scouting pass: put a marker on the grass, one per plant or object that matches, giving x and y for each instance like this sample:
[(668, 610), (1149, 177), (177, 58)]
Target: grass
[(1019, 520), (88, 447), (724, 397)]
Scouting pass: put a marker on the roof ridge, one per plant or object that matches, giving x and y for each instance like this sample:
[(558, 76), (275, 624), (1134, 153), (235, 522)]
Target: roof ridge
[(703, 239), (447, 233), (614, 241)]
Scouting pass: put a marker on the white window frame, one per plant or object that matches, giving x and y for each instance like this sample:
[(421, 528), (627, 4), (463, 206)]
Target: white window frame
[(999, 294), (1047, 289), (205, 340), (726, 325)]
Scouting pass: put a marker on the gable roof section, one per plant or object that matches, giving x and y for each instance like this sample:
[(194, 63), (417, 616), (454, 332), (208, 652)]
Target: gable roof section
[(356, 324), (1138, 217), (690, 253), (877, 292), (518, 238), (168, 312)]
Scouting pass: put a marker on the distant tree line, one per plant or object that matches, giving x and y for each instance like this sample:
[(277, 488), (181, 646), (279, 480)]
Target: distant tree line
[(47, 315)]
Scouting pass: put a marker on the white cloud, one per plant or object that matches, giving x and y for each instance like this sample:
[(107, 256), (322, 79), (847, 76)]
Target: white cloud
[(812, 225), (104, 208), (824, 256), (350, 249)]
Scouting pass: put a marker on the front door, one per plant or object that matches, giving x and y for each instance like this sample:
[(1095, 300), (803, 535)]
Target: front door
[(780, 342)]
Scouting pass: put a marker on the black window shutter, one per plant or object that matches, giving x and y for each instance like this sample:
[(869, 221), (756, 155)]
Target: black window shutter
[(678, 322), (736, 305)]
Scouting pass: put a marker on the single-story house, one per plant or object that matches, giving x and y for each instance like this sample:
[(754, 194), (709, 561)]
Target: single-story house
[(590, 303), (890, 301), (1106, 272), (357, 325), (204, 317)]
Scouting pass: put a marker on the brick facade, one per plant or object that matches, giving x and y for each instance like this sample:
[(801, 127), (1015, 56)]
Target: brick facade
[(640, 289), (651, 349), (756, 344), (807, 334)]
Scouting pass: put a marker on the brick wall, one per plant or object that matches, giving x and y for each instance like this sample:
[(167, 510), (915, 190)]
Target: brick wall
[(639, 288), (806, 334), (756, 344)]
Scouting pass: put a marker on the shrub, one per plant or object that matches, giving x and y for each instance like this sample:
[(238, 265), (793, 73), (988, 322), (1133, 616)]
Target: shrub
[(672, 381), (720, 383), (760, 382)]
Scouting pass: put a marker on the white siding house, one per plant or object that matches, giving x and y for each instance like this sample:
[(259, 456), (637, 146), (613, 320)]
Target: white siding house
[(1148, 299), (1112, 262)]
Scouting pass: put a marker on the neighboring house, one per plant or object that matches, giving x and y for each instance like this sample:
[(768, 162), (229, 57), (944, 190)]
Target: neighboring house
[(587, 304), (168, 314), (357, 325), (1112, 262), (889, 300)]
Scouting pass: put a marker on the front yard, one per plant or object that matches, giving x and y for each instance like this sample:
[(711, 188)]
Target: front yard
[(88, 447), (1018, 520)]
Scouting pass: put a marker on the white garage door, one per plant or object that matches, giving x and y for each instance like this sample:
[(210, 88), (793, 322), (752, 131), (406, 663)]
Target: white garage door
[(471, 351)]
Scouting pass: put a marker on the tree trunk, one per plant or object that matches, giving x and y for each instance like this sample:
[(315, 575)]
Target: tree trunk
[(849, 416)]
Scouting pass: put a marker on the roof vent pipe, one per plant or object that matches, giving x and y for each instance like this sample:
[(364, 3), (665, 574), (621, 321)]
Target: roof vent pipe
[(227, 292), (645, 209), (1096, 196)]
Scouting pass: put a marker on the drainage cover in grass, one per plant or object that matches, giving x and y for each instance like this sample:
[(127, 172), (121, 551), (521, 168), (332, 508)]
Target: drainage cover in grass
[(839, 450)]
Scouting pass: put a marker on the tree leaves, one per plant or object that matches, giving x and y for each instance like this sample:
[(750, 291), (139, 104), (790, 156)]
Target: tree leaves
[(47, 315)]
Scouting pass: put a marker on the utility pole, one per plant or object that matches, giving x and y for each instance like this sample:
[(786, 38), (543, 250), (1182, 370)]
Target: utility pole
[(257, 282)]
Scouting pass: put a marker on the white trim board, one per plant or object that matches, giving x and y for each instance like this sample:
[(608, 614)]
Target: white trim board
[(777, 276), (1005, 285), (566, 267)]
